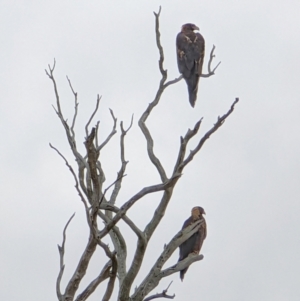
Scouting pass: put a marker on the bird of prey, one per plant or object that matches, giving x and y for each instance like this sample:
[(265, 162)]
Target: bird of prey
[(194, 243), (190, 48)]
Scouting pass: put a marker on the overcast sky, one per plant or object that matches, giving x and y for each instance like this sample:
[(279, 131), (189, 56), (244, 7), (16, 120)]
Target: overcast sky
[(246, 176)]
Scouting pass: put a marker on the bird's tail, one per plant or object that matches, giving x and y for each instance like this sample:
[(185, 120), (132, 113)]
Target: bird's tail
[(182, 273), (192, 83), (192, 98)]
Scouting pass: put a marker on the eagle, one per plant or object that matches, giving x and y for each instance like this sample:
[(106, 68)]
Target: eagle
[(194, 243), (190, 48)]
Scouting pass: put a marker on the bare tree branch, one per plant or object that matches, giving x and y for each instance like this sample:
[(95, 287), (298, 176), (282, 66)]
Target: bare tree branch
[(218, 124), (50, 75), (81, 268), (159, 212), (119, 242), (125, 218), (145, 115), (76, 109), (211, 57), (119, 245), (134, 199), (116, 237), (183, 144), (161, 295), (92, 116), (111, 282), (74, 176), (106, 249), (158, 43), (111, 133), (61, 250), (150, 143), (93, 155), (123, 163), (172, 82), (180, 266), (106, 189), (96, 136), (104, 274), (71, 138), (134, 269)]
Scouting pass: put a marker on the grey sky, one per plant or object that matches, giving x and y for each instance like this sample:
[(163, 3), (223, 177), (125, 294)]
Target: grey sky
[(246, 177)]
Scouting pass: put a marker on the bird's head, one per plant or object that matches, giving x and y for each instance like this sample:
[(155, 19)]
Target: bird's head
[(197, 212), (189, 27)]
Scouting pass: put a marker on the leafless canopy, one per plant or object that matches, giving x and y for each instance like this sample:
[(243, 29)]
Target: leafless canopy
[(89, 180)]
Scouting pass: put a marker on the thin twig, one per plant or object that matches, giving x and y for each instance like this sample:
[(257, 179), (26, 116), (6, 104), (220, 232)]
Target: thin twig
[(113, 131), (71, 139), (74, 176), (218, 124), (211, 57), (50, 75), (174, 81), (106, 189), (92, 116), (124, 163), (161, 51), (184, 142), (161, 295), (75, 108), (96, 138)]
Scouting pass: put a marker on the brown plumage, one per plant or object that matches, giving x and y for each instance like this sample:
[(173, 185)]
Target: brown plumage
[(194, 243), (190, 48)]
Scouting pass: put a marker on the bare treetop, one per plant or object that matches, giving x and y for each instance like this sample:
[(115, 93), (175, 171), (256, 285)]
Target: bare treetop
[(89, 178)]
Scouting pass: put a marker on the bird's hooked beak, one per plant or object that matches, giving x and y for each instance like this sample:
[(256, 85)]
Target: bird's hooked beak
[(196, 27)]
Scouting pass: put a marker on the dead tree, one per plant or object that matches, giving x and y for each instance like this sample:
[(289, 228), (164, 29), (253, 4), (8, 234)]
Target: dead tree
[(89, 179)]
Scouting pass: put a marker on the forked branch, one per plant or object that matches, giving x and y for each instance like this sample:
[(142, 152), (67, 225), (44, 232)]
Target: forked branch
[(124, 163), (80, 270), (134, 199), (74, 176), (104, 274), (113, 131), (216, 126), (211, 57), (61, 250), (92, 116), (142, 121), (161, 295), (75, 108)]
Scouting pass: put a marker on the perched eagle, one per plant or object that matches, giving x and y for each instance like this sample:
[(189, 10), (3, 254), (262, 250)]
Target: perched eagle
[(194, 243), (190, 47)]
